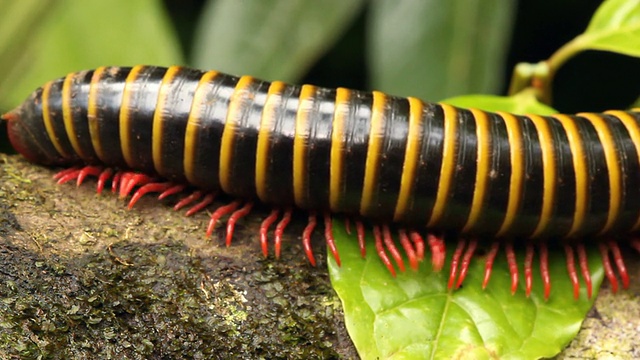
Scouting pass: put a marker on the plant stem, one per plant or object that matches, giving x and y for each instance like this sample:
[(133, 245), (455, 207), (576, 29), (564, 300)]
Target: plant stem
[(554, 63)]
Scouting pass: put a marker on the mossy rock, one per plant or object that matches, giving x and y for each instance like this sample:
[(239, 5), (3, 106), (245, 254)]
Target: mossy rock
[(83, 277)]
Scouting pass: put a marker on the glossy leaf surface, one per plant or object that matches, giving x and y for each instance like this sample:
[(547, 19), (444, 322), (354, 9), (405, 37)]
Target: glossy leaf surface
[(415, 316), (614, 27)]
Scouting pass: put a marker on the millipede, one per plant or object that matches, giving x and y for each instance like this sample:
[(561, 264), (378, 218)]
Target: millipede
[(403, 168)]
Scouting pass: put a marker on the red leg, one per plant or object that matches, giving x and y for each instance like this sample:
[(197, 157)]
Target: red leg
[(418, 243), (282, 225), (454, 262), (206, 201), (102, 179), (264, 229), (361, 239), (80, 174), (377, 235), (619, 260), (130, 180), (571, 268), (488, 264), (328, 235), (306, 237), (86, 171), (196, 195), (145, 189), (117, 179), (233, 219), (528, 273), (513, 267), (466, 260), (408, 248), (220, 212), (584, 268), (388, 242), (66, 175), (171, 191), (438, 251), (124, 181), (544, 270), (608, 270)]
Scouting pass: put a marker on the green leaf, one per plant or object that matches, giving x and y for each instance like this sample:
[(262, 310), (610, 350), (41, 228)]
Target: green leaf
[(435, 49), (524, 102), (277, 39), (19, 20), (75, 35), (614, 27), (414, 316)]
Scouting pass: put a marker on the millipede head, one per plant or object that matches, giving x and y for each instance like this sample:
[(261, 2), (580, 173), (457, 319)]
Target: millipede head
[(21, 139), (27, 136)]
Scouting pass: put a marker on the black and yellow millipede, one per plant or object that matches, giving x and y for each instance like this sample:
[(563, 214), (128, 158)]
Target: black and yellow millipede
[(390, 162)]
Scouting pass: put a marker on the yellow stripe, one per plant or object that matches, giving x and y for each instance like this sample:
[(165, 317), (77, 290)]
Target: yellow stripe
[(194, 123), (158, 118), (634, 132), (483, 167), (376, 136), (448, 163), (48, 121), (549, 172), (92, 112), (300, 139), (337, 141), (613, 165), (125, 118), (274, 99), (67, 115), (236, 106), (514, 132), (411, 157), (580, 169)]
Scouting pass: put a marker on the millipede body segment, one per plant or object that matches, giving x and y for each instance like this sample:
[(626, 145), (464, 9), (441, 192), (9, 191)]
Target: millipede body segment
[(375, 157)]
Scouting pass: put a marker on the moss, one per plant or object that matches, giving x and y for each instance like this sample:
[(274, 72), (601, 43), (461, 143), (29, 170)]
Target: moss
[(82, 277)]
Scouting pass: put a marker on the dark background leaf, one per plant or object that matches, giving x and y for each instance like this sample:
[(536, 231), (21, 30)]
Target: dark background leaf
[(277, 39), (434, 49)]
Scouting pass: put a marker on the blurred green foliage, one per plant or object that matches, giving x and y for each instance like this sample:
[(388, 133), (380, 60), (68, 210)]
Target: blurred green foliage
[(359, 44)]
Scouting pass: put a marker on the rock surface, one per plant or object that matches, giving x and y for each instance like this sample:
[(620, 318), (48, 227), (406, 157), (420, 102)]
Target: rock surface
[(83, 277)]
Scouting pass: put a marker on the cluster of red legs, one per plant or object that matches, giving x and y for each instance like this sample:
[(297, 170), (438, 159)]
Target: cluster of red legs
[(412, 242)]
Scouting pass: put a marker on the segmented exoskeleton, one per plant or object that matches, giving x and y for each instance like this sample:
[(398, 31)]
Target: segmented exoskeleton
[(368, 155)]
